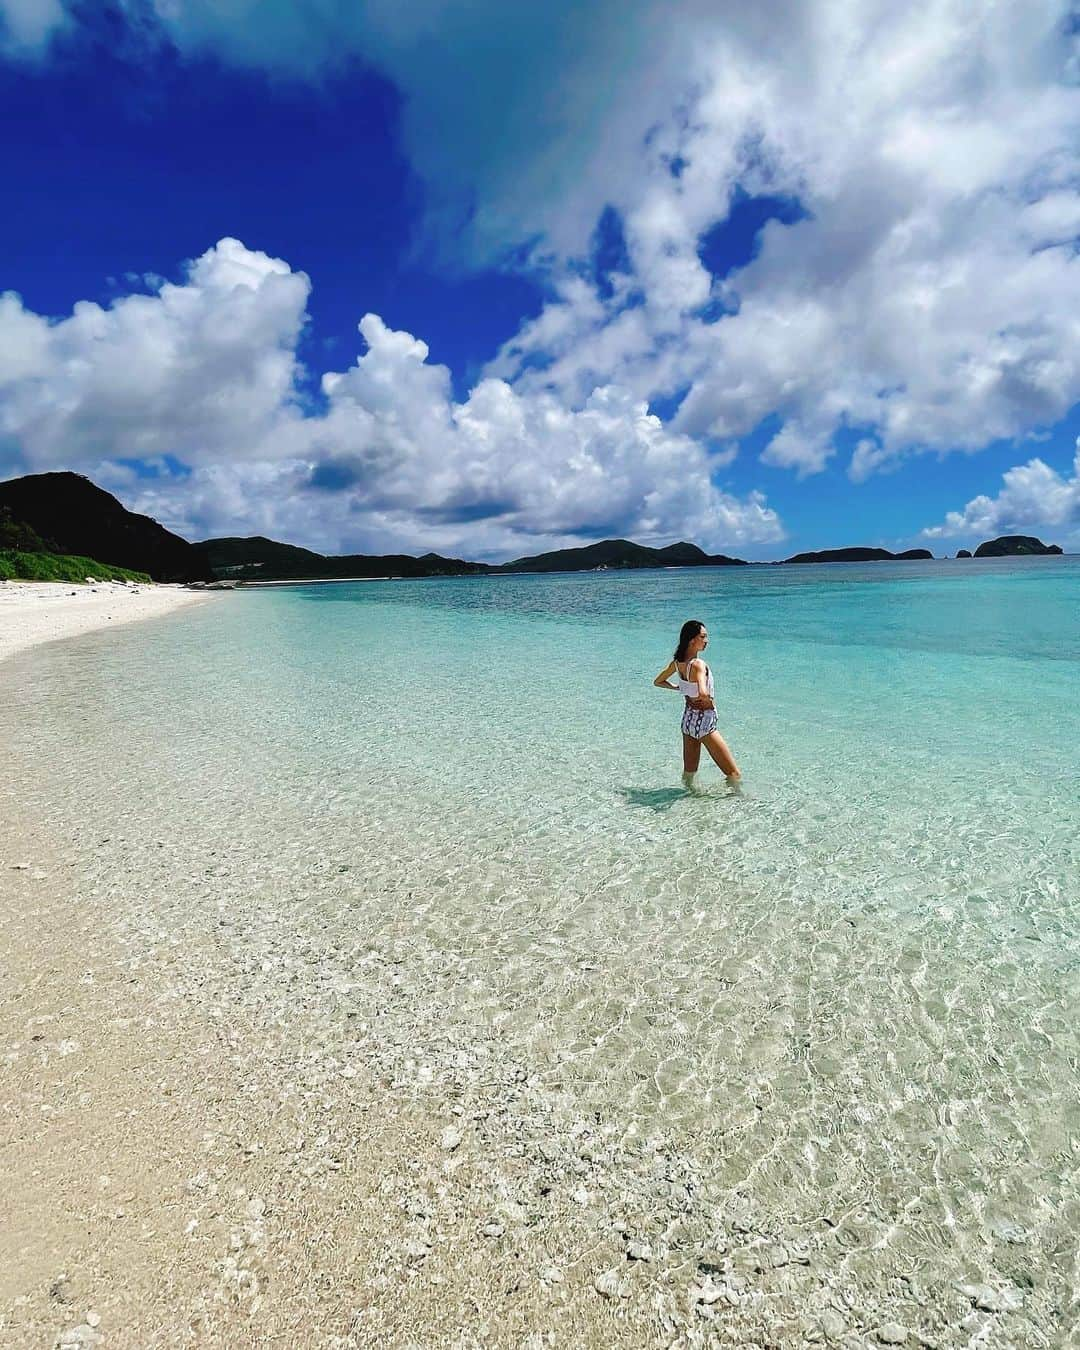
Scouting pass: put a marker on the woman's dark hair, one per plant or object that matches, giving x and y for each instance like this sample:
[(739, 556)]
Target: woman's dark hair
[(690, 629)]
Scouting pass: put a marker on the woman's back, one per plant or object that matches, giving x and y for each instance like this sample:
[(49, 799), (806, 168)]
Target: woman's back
[(691, 687)]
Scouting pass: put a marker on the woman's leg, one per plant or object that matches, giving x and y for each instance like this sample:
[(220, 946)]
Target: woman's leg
[(691, 758), (722, 756)]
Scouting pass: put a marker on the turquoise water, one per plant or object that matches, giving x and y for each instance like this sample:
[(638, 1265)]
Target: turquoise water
[(850, 989)]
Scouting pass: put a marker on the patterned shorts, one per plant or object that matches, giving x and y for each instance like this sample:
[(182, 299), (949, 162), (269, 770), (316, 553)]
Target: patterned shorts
[(698, 723)]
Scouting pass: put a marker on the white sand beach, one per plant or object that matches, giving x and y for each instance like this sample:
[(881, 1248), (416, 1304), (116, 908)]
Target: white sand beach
[(32, 612)]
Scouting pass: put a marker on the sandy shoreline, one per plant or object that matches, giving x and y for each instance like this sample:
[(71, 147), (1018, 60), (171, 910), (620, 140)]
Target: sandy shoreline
[(33, 612)]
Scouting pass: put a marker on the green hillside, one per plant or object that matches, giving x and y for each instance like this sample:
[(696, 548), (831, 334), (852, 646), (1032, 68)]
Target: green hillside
[(17, 565)]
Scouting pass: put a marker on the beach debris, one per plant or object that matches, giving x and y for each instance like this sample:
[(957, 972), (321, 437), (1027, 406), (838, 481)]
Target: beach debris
[(611, 1285), (415, 1250), (493, 1229), (832, 1324), (639, 1250), (1005, 1298), (59, 1290), (707, 1292), (1008, 1231), (450, 1138), (83, 1334), (892, 1333), (551, 1275)]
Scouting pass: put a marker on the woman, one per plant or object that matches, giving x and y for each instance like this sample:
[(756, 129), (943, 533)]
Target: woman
[(699, 716)]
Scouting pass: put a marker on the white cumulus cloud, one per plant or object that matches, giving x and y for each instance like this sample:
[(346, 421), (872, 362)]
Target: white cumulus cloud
[(1033, 496), (929, 298), (205, 372), (203, 368)]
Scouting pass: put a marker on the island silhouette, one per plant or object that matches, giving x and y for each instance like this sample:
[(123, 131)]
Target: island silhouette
[(68, 514)]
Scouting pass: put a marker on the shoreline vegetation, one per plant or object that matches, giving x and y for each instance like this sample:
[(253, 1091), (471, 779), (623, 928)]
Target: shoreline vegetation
[(66, 514), (19, 566)]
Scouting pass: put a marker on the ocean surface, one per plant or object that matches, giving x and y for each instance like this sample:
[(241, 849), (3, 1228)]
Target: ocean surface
[(850, 988)]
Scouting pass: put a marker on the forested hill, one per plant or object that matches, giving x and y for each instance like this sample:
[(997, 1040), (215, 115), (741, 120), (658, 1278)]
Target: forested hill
[(75, 516), (265, 559), (620, 553), (259, 558)]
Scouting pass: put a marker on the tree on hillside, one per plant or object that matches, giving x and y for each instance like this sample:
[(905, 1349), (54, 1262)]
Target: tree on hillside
[(22, 538)]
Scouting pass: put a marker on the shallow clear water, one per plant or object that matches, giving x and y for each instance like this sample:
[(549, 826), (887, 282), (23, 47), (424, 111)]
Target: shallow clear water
[(850, 989)]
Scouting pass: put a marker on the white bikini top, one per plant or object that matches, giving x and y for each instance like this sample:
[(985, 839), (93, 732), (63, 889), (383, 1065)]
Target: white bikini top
[(690, 687)]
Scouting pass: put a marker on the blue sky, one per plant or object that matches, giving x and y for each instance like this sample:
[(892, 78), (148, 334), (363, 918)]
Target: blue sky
[(670, 274)]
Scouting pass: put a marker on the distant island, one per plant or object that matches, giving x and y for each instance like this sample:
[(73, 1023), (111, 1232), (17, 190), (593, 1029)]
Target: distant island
[(1015, 546), (264, 559), (613, 553), (72, 515), (831, 555)]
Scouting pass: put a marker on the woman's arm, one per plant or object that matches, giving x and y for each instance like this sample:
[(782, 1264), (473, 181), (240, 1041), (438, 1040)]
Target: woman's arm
[(661, 680)]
